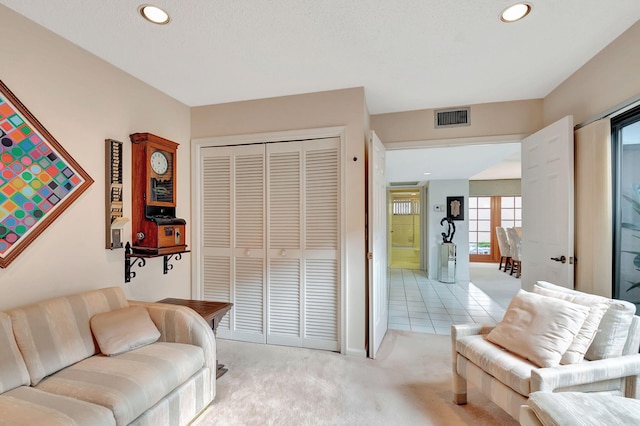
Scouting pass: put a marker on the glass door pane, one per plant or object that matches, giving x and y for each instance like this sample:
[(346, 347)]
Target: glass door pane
[(480, 226), (626, 139)]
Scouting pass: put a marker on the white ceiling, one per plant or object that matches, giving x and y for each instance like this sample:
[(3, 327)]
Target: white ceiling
[(407, 54), (476, 162)]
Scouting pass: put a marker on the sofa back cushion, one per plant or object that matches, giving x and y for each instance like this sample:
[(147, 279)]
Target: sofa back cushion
[(56, 333), (13, 371), (613, 330), (597, 305)]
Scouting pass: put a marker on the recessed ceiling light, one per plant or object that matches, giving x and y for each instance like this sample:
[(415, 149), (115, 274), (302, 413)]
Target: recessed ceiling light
[(516, 12), (154, 14), (426, 173)]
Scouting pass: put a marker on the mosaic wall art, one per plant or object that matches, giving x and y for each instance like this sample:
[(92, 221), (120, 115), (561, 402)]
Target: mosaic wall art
[(39, 179)]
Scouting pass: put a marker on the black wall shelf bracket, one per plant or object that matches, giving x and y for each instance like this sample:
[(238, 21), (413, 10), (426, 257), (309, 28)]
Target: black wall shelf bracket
[(130, 260), (168, 266), (136, 259)]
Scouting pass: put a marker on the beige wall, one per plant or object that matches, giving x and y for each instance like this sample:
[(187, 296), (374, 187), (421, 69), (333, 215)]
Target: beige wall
[(502, 187), (325, 109), (81, 100), (492, 119), (608, 79)]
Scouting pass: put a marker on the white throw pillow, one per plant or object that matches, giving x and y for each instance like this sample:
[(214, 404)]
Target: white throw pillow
[(613, 330), (539, 328), (123, 330), (597, 305)]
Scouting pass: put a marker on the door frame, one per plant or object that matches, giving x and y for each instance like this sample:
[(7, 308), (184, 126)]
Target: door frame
[(198, 144)]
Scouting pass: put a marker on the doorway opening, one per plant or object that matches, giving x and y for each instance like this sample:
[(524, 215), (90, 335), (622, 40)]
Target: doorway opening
[(404, 228)]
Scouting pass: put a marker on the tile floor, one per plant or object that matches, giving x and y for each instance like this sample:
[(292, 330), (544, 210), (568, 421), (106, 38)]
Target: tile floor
[(417, 303)]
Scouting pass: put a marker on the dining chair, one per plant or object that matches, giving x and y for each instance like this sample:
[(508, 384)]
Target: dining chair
[(515, 245), (505, 250)]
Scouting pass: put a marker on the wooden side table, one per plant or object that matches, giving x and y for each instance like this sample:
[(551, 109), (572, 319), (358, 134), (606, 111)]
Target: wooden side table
[(212, 312)]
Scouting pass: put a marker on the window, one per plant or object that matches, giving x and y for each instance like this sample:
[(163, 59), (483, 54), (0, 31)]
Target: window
[(510, 212), (626, 212), (406, 207), (480, 225), (485, 214)]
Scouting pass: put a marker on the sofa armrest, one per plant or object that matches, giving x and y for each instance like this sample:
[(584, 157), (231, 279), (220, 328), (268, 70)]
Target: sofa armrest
[(179, 324), (553, 378)]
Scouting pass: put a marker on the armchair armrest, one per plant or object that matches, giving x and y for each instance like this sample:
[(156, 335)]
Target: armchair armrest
[(179, 324), (461, 330), (553, 378)]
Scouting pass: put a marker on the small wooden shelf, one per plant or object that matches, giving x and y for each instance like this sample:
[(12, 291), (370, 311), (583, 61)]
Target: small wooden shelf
[(136, 256)]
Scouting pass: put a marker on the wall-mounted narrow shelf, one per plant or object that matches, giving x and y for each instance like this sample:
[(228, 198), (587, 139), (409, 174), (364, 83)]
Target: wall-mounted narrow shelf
[(138, 258)]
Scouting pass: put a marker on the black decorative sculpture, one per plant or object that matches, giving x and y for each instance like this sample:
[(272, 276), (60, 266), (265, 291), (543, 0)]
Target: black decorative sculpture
[(451, 231)]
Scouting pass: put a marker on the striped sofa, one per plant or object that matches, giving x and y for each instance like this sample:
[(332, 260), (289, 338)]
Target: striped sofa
[(508, 379), (52, 371)]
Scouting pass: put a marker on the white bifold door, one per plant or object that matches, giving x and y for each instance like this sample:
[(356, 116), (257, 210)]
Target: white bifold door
[(270, 241)]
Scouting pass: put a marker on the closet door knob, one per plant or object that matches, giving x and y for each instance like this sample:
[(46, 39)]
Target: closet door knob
[(248, 252), (283, 252)]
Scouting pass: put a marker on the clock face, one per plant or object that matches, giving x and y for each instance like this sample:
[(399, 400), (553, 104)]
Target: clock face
[(159, 163)]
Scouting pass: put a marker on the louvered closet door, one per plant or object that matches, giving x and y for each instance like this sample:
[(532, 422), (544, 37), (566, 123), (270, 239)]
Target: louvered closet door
[(233, 265), (302, 240)]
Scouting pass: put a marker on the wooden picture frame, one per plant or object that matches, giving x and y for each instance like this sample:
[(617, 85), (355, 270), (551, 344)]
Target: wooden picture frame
[(40, 180), (455, 208)]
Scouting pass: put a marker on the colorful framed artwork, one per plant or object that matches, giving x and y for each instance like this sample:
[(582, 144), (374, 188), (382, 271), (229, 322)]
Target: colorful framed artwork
[(39, 179)]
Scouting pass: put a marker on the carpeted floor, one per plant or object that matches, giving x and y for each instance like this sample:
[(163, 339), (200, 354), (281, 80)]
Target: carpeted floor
[(408, 384)]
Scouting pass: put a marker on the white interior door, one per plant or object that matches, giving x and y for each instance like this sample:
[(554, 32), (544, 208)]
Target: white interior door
[(232, 245), (547, 205), (270, 240), (377, 245), (303, 238)]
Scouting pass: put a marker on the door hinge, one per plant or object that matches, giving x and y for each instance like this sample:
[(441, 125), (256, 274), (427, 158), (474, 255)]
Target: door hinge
[(369, 256)]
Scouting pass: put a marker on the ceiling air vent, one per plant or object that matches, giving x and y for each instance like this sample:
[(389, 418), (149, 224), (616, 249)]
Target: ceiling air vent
[(414, 183), (453, 117)]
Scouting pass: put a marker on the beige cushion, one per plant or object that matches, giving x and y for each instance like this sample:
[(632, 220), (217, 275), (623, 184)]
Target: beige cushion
[(26, 406), (55, 333), (13, 371), (584, 409), (124, 329), (614, 330), (597, 305), (131, 383), (614, 327), (539, 328)]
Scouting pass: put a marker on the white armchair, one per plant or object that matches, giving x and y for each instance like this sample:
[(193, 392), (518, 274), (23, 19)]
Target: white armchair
[(508, 379)]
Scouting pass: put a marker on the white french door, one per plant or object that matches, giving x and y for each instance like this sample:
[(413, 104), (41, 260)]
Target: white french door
[(270, 238), (377, 245), (547, 205)]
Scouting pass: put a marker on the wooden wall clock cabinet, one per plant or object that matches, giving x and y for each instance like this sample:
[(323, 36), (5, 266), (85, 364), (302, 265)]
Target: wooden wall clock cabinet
[(156, 229)]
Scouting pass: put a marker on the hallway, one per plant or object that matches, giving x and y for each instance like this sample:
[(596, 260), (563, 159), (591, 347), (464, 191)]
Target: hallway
[(417, 303)]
